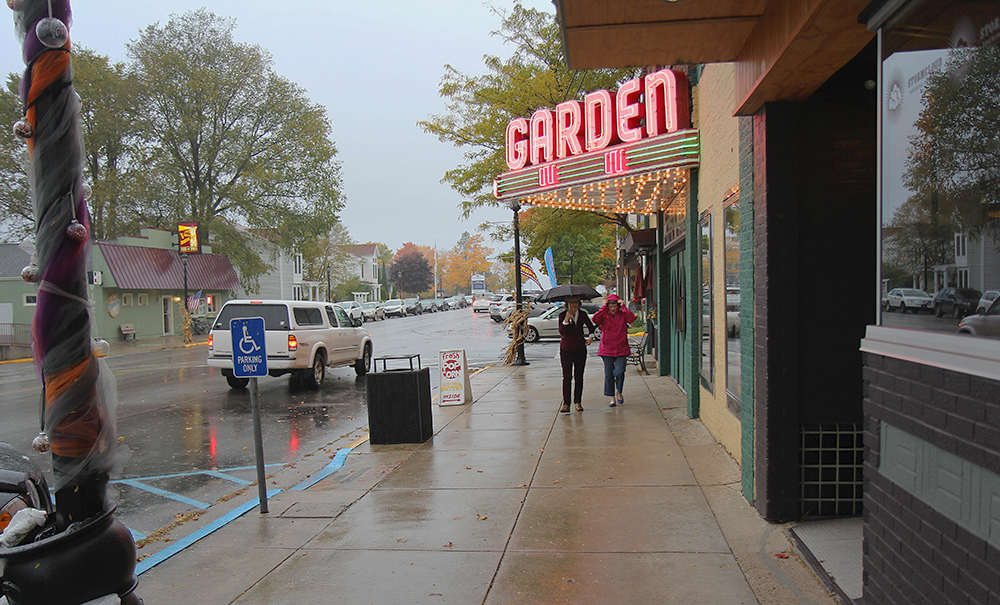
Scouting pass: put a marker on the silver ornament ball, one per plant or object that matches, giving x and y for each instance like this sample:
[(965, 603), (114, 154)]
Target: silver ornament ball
[(101, 348), (41, 443), (23, 129), (76, 232), (29, 274), (87, 191), (52, 32)]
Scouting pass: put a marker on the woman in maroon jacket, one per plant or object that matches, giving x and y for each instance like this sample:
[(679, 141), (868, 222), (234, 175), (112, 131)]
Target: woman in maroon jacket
[(573, 351), (614, 320)]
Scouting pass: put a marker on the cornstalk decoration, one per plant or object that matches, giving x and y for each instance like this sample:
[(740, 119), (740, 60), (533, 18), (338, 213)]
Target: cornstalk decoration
[(79, 392)]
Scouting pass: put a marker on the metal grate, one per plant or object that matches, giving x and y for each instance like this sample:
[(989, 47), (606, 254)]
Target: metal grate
[(832, 470)]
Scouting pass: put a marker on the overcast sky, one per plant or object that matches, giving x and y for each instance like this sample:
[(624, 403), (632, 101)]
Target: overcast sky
[(383, 62)]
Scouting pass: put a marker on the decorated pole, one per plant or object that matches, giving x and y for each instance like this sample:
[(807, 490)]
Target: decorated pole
[(82, 553)]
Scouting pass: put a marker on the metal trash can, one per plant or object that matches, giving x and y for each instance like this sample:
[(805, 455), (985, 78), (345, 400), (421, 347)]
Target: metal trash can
[(399, 403)]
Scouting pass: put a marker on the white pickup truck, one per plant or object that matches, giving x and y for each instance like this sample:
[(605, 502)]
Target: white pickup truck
[(302, 338)]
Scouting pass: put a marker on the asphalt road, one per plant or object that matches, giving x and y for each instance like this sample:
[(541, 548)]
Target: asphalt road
[(191, 436)]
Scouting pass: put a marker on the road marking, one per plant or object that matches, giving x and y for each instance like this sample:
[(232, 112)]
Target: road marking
[(162, 492), (178, 546)]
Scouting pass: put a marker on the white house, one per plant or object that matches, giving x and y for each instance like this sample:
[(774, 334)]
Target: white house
[(364, 259)]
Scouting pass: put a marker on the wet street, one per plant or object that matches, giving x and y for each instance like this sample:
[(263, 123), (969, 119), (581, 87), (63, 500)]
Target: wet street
[(191, 436)]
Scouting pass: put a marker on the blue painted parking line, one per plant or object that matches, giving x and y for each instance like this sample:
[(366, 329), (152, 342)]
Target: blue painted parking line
[(221, 475), (162, 492), (176, 547), (329, 469)]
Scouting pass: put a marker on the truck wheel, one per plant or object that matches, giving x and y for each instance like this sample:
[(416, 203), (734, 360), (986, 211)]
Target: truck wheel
[(361, 366), (313, 379), (237, 383)]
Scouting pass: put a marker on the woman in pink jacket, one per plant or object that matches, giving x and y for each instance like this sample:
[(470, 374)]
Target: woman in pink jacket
[(614, 320)]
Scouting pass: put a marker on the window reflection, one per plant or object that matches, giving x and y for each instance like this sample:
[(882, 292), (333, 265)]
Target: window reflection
[(940, 174), (707, 319), (732, 245)]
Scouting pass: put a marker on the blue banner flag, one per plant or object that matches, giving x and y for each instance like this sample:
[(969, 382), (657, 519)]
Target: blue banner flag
[(550, 266)]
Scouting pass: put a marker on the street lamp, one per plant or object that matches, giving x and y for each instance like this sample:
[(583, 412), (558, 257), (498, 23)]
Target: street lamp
[(516, 207), (184, 261), (328, 282), (571, 264)]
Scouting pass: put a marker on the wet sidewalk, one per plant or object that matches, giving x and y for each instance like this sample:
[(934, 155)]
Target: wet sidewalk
[(509, 502)]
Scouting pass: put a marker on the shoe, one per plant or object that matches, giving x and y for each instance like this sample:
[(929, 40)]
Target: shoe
[(564, 409), (579, 408), (613, 403), (620, 398)]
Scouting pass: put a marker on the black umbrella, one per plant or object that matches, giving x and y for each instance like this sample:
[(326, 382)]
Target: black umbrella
[(567, 291)]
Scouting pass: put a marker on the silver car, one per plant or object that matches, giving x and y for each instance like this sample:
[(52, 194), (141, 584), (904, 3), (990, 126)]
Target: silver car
[(986, 323), (909, 299)]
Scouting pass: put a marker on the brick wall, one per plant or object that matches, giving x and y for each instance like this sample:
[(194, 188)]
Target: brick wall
[(913, 551)]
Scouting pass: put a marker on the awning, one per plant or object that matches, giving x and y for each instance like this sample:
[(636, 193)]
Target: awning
[(138, 268), (783, 49), (642, 241)]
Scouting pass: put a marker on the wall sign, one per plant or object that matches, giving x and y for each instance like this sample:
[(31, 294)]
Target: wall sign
[(642, 108), (189, 239)]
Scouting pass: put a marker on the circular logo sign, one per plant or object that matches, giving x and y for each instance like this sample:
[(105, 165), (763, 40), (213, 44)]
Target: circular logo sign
[(451, 369)]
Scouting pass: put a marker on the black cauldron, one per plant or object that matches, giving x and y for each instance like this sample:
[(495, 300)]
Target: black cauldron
[(87, 561)]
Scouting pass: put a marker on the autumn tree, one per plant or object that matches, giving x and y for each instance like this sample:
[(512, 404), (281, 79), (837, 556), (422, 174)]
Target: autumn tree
[(410, 271), (469, 256), (232, 142), (479, 107)]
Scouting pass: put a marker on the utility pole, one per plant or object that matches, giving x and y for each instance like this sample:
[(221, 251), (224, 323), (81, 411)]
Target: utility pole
[(516, 207)]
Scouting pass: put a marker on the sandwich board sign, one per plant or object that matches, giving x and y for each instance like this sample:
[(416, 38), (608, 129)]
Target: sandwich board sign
[(454, 380)]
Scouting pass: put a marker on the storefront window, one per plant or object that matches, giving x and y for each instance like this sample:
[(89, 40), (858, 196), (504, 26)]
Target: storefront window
[(705, 278), (940, 197), (732, 246)]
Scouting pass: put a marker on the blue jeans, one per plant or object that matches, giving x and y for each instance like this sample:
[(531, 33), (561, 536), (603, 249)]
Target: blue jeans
[(614, 374)]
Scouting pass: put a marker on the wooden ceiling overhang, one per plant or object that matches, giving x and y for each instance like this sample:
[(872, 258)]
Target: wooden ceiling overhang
[(783, 49)]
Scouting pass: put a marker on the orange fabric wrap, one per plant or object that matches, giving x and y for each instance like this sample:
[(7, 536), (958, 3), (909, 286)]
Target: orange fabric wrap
[(76, 434), (48, 68)]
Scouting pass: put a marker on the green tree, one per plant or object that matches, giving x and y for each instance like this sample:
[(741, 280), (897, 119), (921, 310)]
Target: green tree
[(479, 107), (231, 141), (17, 220), (113, 142), (588, 234)]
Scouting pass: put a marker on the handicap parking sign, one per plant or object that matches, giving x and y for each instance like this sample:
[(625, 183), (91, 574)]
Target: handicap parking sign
[(249, 352)]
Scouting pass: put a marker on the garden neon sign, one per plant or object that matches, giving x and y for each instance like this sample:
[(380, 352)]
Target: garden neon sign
[(641, 108)]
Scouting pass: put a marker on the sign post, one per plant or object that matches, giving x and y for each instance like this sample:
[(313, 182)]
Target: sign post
[(250, 361)]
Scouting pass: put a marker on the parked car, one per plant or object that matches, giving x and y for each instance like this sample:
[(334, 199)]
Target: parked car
[(301, 338), (986, 300), (413, 306), (986, 323), (497, 303), (394, 307), (482, 303), (372, 311), (534, 308), (546, 324), (431, 305), (956, 301), (909, 299), (352, 307), (469, 299)]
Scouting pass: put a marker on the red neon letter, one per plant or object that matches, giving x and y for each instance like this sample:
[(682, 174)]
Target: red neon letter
[(599, 117), (541, 146), (569, 139), (629, 111), (667, 104), (516, 143)]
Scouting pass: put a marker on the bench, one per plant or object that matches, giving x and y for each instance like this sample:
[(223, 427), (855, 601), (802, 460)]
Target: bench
[(637, 354), (126, 330)]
